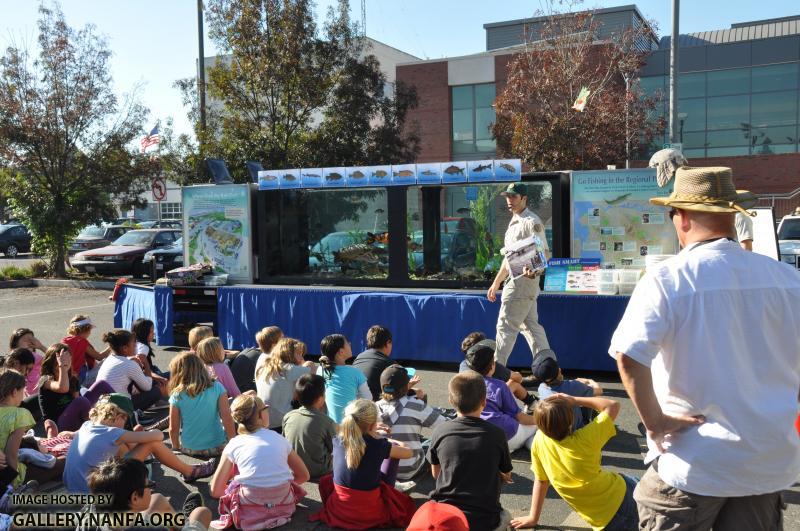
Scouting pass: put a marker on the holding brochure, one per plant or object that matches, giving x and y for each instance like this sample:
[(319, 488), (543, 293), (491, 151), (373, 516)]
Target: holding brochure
[(526, 253)]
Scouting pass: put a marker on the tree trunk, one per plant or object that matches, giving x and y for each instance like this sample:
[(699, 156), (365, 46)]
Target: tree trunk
[(59, 269)]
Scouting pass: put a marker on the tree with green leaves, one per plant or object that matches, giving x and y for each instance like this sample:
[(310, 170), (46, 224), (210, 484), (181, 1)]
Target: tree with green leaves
[(67, 144), (288, 93), (535, 116)]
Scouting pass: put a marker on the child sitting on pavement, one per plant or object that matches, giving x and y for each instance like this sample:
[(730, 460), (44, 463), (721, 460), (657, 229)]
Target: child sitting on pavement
[(570, 460), (549, 373), (469, 457), (309, 429), (84, 355), (266, 472), (200, 422), (127, 480), (213, 355), (501, 408), (103, 437), (514, 380), (359, 494), (406, 416)]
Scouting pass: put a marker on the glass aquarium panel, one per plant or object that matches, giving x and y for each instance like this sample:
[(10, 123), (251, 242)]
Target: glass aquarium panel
[(347, 234), (473, 223)]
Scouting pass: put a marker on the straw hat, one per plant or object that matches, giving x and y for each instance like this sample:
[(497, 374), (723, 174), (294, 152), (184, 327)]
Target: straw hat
[(707, 190)]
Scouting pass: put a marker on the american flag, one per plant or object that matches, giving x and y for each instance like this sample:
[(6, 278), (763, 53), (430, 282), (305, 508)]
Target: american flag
[(150, 140)]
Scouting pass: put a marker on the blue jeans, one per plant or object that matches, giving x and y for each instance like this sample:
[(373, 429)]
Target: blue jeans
[(627, 516)]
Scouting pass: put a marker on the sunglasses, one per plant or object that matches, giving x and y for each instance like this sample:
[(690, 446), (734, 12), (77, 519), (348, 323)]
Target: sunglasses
[(150, 484), (672, 213)]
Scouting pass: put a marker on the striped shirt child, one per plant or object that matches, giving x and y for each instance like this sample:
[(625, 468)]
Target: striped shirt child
[(407, 416)]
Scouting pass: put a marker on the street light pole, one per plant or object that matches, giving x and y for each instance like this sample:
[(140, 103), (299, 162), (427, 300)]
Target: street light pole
[(201, 80), (673, 73)]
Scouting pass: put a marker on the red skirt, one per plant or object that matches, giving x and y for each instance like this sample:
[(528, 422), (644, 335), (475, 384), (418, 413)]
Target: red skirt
[(363, 509)]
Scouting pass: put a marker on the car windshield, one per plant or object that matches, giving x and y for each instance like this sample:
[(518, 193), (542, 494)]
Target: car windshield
[(334, 242), (446, 239), (92, 231), (178, 243), (790, 230), (136, 238)]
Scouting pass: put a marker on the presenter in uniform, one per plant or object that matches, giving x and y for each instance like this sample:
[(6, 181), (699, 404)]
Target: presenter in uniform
[(518, 310)]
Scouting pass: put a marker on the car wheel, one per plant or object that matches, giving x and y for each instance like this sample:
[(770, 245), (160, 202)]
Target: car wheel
[(11, 251)]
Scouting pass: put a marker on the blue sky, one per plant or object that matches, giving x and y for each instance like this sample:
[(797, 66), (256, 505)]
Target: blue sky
[(155, 41)]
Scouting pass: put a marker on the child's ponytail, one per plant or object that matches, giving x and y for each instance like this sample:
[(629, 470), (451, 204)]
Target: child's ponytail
[(117, 339), (359, 416)]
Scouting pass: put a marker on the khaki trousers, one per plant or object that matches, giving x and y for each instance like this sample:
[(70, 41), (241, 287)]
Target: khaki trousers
[(518, 313), (664, 507)]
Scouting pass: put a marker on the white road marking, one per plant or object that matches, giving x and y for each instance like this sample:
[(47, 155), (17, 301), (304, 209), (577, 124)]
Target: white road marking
[(54, 311)]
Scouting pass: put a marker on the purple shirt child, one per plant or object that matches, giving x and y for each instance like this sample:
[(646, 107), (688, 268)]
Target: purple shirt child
[(501, 408)]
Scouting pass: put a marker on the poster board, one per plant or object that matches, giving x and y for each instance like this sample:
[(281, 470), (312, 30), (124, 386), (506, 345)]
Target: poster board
[(217, 229), (612, 219), (765, 239)]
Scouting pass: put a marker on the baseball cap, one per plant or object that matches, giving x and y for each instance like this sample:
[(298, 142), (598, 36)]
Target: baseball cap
[(480, 355), (394, 378), (436, 516), (121, 401), (544, 368), (516, 189)]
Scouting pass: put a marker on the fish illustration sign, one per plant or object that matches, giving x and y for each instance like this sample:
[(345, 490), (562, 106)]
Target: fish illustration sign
[(613, 220), (392, 175)]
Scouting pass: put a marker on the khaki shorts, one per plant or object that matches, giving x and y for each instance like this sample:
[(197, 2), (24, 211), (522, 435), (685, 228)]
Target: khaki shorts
[(664, 507)]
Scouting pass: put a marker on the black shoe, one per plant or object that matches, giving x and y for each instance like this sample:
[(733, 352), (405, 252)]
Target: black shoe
[(530, 382), (192, 502), (446, 412)]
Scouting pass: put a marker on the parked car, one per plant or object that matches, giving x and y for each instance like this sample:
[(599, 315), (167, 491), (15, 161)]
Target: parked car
[(159, 261), (96, 236), (163, 224), (322, 255), (125, 221), (14, 239), (789, 240), (458, 244), (125, 255)]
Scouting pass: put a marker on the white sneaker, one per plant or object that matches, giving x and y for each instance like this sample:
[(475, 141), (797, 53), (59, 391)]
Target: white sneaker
[(405, 486)]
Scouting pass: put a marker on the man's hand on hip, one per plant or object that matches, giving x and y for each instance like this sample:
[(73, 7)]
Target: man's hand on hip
[(669, 424)]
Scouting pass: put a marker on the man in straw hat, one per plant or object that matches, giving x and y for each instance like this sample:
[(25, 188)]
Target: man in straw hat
[(709, 352)]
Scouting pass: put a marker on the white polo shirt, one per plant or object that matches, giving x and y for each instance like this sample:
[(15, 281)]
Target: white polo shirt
[(718, 327)]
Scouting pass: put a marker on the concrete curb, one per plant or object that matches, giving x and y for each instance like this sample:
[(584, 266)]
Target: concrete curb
[(26, 283), (85, 284)]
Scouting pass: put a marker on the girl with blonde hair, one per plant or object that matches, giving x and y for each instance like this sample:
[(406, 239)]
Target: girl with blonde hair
[(213, 355), (265, 474), (359, 495), (104, 436), (275, 379), (200, 422)]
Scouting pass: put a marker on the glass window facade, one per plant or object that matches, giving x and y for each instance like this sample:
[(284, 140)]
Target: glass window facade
[(739, 111), (473, 115)]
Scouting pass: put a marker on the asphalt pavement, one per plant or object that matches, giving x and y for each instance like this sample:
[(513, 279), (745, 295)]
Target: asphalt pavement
[(48, 310)]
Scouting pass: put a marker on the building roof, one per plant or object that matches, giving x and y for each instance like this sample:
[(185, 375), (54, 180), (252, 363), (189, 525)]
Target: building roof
[(742, 31), (616, 9)]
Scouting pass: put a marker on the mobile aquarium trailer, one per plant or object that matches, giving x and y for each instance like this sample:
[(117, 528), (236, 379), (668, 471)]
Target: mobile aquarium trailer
[(413, 247)]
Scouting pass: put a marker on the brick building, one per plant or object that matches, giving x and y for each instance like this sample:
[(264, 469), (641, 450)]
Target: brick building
[(738, 96)]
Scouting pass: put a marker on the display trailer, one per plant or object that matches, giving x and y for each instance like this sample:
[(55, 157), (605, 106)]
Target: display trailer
[(413, 247)]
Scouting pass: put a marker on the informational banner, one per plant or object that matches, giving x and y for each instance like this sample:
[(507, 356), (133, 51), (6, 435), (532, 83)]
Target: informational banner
[(613, 220), (577, 275), (217, 229)]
